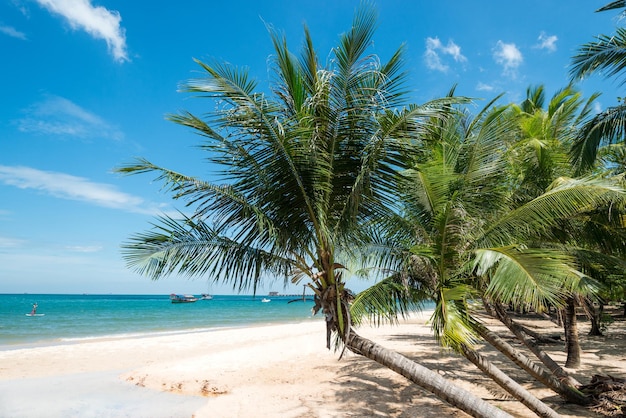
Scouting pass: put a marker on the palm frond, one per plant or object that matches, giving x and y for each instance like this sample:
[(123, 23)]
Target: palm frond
[(617, 4), (290, 86), (225, 81), (354, 43), (535, 99), (386, 301), (606, 55), (538, 277), (607, 127), (451, 321), (566, 198), (309, 63), (194, 249), (587, 109), (178, 184), (482, 155)]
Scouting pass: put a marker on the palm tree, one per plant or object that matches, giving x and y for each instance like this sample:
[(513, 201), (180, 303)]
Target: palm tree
[(546, 136), (302, 168), (465, 232)]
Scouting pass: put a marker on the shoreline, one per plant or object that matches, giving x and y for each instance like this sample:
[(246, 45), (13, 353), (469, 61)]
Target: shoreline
[(140, 335), (281, 370)]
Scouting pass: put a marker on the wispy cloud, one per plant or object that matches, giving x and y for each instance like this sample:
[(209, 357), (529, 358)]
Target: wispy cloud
[(59, 116), (434, 51), (508, 56), (66, 186), (547, 42), (6, 242), (95, 20), (484, 87), (85, 248), (12, 32)]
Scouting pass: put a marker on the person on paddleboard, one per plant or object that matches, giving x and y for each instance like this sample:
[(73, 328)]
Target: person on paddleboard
[(34, 311)]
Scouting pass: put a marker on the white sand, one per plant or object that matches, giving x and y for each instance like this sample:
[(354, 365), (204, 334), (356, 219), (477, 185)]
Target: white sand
[(268, 371)]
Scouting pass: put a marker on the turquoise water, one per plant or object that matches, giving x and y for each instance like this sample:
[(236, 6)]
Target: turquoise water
[(74, 317)]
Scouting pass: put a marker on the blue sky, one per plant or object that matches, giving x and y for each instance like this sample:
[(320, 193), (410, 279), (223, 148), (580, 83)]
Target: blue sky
[(87, 84)]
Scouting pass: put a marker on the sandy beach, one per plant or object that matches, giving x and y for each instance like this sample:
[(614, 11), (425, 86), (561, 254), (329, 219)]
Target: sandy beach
[(265, 371)]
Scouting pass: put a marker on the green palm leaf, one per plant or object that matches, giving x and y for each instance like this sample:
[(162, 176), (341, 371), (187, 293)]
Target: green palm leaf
[(194, 249), (387, 300), (539, 277), (607, 54), (451, 320), (566, 198), (617, 4), (607, 127)]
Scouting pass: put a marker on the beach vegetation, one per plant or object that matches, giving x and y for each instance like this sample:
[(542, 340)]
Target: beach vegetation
[(488, 207)]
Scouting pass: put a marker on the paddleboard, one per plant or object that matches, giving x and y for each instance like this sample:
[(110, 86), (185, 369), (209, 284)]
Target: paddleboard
[(37, 314)]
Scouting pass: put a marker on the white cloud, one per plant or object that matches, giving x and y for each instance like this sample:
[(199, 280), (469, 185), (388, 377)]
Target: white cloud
[(597, 107), (58, 116), (95, 20), (547, 42), (85, 248), (70, 187), (12, 32), (484, 87), (434, 48), (508, 56)]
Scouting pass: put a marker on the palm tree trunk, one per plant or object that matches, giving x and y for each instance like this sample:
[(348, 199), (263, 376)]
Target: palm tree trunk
[(540, 339), (595, 315), (534, 348), (508, 384), (424, 377), (569, 393), (571, 335)]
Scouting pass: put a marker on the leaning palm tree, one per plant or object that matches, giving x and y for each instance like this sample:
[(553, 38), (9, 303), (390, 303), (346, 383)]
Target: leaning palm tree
[(302, 168)]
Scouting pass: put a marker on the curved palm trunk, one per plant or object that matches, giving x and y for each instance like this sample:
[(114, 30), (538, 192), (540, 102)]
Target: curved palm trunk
[(571, 335), (569, 393), (423, 377), (508, 384), (534, 348)]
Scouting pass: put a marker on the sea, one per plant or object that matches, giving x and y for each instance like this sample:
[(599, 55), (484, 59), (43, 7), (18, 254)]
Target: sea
[(72, 318)]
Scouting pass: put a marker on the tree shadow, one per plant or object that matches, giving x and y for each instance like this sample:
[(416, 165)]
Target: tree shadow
[(372, 390)]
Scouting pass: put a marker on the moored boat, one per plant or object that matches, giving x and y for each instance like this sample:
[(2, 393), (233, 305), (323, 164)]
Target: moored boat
[(182, 298), (206, 296)]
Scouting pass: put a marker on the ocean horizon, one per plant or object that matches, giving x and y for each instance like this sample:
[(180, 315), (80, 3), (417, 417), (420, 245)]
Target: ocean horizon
[(67, 318)]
